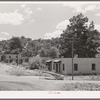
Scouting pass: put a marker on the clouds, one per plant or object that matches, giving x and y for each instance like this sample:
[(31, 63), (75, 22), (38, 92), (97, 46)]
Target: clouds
[(62, 25), (13, 18), (4, 33), (77, 7), (32, 21), (28, 12), (90, 8), (59, 30), (97, 14), (82, 7), (54, 34), (3, 38), (23, 6), (97, 26), (39, 9)]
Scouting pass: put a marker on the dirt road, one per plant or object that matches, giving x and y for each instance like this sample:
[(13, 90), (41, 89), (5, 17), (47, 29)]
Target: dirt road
[(39, 83), (31, 83)]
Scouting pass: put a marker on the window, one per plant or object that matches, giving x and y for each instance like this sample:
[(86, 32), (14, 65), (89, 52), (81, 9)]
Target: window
[(26, 60), (21, 61), (93, 67), (75, 67), (63, 67), (10, 60), (7, 61), (16, 60), (9, 56)]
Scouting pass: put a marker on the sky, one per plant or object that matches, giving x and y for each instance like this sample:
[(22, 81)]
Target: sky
[(43, 19)]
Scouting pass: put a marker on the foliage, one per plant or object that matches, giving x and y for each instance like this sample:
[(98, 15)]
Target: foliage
[(26, 53), (42, 52), (15, 45), (79, 27), (35, 62), (85, 44), (17, 71), (54, 52)]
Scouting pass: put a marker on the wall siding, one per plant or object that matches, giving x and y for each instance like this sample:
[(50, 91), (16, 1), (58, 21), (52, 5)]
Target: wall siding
[(84, 65)]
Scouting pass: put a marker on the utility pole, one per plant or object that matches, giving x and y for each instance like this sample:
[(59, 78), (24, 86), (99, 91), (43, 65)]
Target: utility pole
[(17, 56), (17, 59), (72, 41), (72, 59)]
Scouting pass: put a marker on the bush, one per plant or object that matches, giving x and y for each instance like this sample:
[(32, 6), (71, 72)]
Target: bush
[(17, 71), (26, 65), (56, 76), (34, 65), (13, 63)]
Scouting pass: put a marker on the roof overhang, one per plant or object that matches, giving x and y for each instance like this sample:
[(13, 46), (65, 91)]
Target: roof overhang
[(48, 61), (57, 61)]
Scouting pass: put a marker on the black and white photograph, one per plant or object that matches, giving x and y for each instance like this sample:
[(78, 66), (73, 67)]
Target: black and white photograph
[(50, 46)]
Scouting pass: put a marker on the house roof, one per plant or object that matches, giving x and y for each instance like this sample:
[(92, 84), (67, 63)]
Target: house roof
[(48, 61), (58, 60)]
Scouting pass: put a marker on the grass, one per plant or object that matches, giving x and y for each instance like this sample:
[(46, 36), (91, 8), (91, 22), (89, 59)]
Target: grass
[(55, 75), (83, 77), (53, 80), (17, 71), (21, 71), (81, 87)]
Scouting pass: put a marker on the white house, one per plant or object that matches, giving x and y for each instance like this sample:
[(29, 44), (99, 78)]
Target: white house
[(80, 65), (9, 58)]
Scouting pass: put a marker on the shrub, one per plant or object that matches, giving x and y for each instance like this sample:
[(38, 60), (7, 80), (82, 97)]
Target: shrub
[(26, 65), (17, 71), (35, 65), (13, 63), (55, 75)]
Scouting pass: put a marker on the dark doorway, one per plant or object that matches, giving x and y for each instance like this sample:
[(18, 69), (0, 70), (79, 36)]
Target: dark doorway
[(20, 61), (57, 69), (49, 66), (10, 60), (3, 58)]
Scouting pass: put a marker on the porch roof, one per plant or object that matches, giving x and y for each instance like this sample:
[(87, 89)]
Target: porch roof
[(57, 61), (48, 61)]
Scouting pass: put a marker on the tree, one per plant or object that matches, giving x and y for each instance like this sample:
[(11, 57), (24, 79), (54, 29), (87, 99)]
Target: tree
[(54, 52), (86, 45), (15, 44), (42, 52), (27, 53), (32, 46), (35, 62)]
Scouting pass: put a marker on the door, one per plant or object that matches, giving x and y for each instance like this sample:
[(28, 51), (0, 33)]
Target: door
[(49, 66), (57, 69)]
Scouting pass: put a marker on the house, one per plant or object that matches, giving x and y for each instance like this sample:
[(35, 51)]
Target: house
[(97, 55), (80, 65), (9, 58)]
